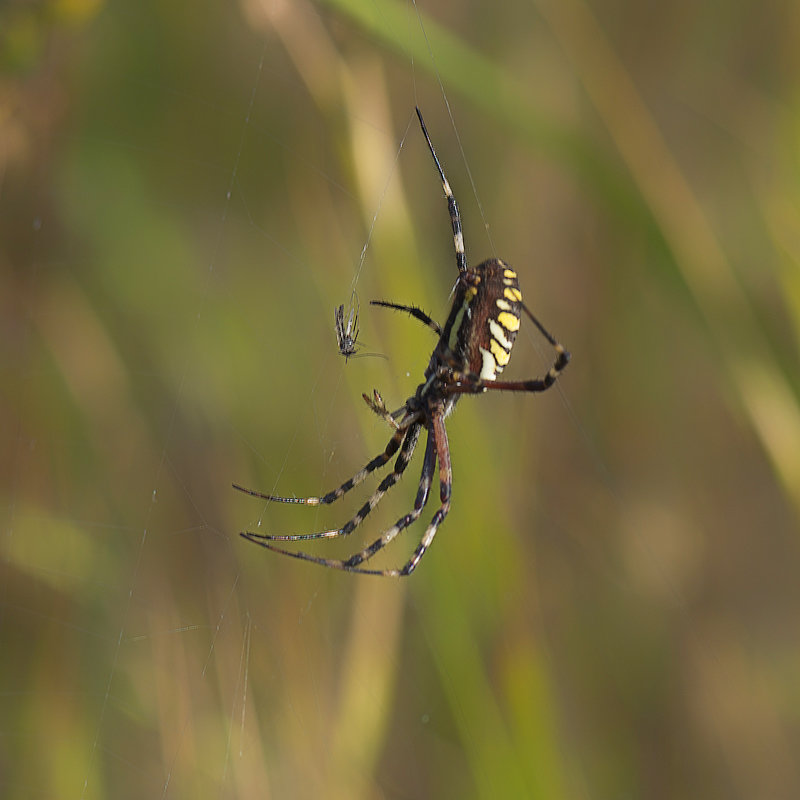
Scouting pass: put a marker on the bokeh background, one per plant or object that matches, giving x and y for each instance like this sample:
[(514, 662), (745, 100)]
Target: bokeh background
[(612, 608)]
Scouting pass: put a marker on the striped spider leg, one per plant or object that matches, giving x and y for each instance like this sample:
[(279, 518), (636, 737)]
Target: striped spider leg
[(405, 439)]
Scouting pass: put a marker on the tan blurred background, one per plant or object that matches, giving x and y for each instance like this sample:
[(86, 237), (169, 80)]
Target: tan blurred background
[(611, 610)]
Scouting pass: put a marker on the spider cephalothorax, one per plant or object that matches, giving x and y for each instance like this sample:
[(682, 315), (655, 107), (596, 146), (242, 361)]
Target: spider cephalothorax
[(474, 347)]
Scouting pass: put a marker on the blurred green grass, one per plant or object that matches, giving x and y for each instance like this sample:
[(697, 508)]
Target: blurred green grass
[(610, 608)]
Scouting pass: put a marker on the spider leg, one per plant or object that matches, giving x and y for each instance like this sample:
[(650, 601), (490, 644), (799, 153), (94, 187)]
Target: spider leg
[(376, 463), (439, 434), (403, 459), (455, 217), (472, 384), (351, 564), (547, 335), (415, 312)]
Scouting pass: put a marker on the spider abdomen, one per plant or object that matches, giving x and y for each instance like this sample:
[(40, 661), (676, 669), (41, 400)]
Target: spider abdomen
[(485, 317)]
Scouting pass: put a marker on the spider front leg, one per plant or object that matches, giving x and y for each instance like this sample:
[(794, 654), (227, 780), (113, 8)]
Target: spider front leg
[(452, 206), (414, 311)]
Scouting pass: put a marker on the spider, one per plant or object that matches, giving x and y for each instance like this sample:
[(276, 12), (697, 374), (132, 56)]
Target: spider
[(473, 347)]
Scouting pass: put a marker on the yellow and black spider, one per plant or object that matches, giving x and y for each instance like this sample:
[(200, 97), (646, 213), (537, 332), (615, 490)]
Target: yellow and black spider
[(474, 346)]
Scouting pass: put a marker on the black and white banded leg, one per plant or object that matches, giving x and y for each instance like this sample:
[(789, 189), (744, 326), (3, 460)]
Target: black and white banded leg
[(351, 483), (410, 438), (452, 206), (352, 564)]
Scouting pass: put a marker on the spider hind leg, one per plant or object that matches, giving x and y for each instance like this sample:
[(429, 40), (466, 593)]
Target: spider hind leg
[(350, 483), (403, 459), (352, 564)]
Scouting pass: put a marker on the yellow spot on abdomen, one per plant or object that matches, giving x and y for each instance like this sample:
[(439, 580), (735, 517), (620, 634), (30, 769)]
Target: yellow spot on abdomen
[(499, 334), (509, 273), (500, 355), (508, 321), (513, 294)]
